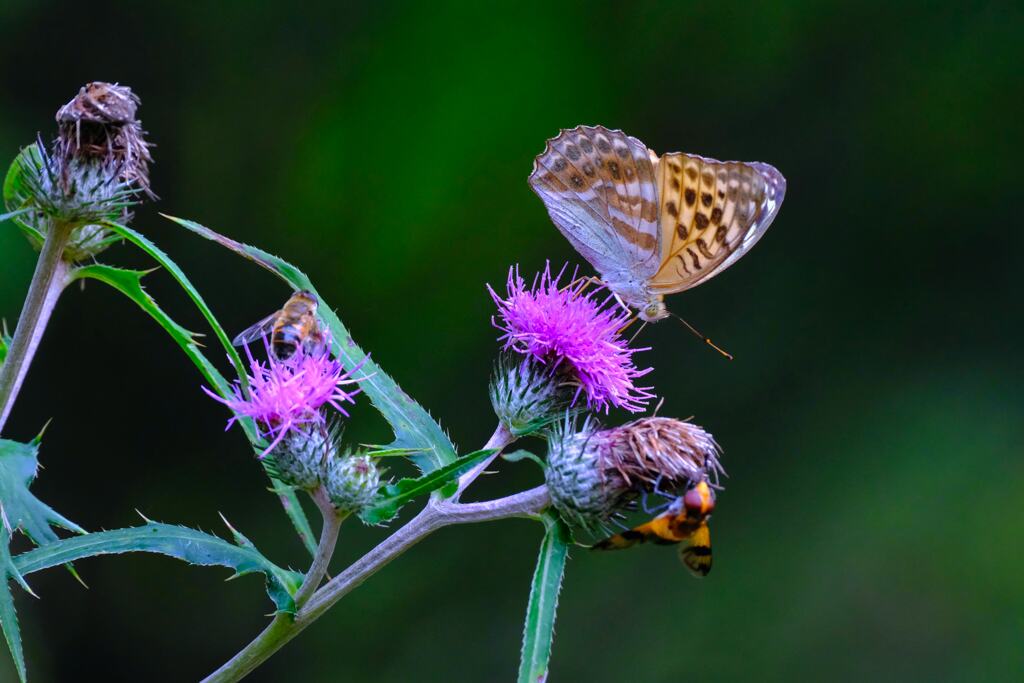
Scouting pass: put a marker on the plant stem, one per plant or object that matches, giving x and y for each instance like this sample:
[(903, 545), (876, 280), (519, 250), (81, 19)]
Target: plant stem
[(49, 279), (324, 551), (435, 515), (499, 439)]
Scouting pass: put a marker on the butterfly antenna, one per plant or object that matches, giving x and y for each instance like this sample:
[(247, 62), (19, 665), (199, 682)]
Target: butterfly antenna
[(707, 340)]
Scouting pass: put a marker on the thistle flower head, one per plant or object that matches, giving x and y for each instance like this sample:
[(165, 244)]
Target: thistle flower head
[(287, 395), (351, 481), (593, 472), (584, 490), (525, 396), (301, 457), (574, 334)]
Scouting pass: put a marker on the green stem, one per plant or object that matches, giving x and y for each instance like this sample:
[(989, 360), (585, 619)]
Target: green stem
[(324, 551), (502, 437), (435, 515), (48, 281)]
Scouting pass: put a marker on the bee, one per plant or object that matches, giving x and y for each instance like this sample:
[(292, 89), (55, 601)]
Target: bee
[(294, 325), (684, 521)]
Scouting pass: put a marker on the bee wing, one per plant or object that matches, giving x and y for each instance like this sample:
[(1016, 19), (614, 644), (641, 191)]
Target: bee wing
[(256, 331), (697, 554)]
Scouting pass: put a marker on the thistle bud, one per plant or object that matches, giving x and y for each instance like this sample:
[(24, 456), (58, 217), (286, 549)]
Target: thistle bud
[(525, 395), (351, 481), (593, 472), (98, 165), (302, 456)]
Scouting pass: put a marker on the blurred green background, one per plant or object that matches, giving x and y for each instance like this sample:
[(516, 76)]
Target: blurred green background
[(872, 522)]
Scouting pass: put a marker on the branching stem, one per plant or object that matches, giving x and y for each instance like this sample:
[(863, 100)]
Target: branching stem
[(435, 515), (325, 550), (48, 281)]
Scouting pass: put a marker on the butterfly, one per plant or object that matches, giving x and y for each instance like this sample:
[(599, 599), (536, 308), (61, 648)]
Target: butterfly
[(684, 522), (652, 225)]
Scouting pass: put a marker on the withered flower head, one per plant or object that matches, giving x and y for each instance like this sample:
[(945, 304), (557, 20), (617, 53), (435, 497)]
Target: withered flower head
[(94, 173), (677, 452), (593, 472), (99, 124)]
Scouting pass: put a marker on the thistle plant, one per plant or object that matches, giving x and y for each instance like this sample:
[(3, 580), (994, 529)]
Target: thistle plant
[(562, 359)]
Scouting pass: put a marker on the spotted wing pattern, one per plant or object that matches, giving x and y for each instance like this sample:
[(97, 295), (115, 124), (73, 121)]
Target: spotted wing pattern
[(600, 189), (712, 212)]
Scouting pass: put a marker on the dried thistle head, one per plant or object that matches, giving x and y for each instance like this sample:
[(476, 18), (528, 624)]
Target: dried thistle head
[(100, 124), (652, 448), (94, 173), (594, 472)]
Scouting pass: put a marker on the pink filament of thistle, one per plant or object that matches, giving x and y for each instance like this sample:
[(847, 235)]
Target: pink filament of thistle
[(565, 327), (286, 394)]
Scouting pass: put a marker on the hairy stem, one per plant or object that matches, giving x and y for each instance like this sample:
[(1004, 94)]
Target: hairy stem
[(501, 438), (435, 515), (48, 281), (324, 551)]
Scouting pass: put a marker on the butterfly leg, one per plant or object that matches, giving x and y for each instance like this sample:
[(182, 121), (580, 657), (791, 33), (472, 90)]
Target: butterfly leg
[(586, 280)]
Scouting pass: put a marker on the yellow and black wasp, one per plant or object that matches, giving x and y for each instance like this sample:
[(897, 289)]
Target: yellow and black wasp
[(684, 521)]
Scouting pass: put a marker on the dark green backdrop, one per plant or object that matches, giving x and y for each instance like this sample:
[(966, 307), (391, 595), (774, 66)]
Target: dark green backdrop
[(871, 421)]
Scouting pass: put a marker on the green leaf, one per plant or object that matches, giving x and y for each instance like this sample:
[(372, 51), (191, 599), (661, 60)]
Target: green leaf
[(412, 425), (5, 343), (129, 282), (189, 545), (516, 456), (404, 490), (539, 629), (158, 255), (20, 510), (8, 615), (16, 193)]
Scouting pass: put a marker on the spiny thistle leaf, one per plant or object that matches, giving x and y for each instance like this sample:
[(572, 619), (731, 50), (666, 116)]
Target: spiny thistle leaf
[(189, 545), (16, 192), (168, 264), (539, 630), (20, 510), (412, 425), (404, 490), (129, 283)]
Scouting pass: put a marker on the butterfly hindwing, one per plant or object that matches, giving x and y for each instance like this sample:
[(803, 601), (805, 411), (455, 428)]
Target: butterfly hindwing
[(599, 188), (711, 213)]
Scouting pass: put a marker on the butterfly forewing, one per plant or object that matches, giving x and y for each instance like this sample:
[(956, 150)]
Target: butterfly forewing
[(599, 188), (711, 213)]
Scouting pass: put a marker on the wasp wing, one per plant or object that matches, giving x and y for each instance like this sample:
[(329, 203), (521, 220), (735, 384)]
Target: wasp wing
[(256, 331)]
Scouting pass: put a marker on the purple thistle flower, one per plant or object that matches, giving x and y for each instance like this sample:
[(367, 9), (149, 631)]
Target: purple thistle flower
[(575, 333), (286, 395)]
